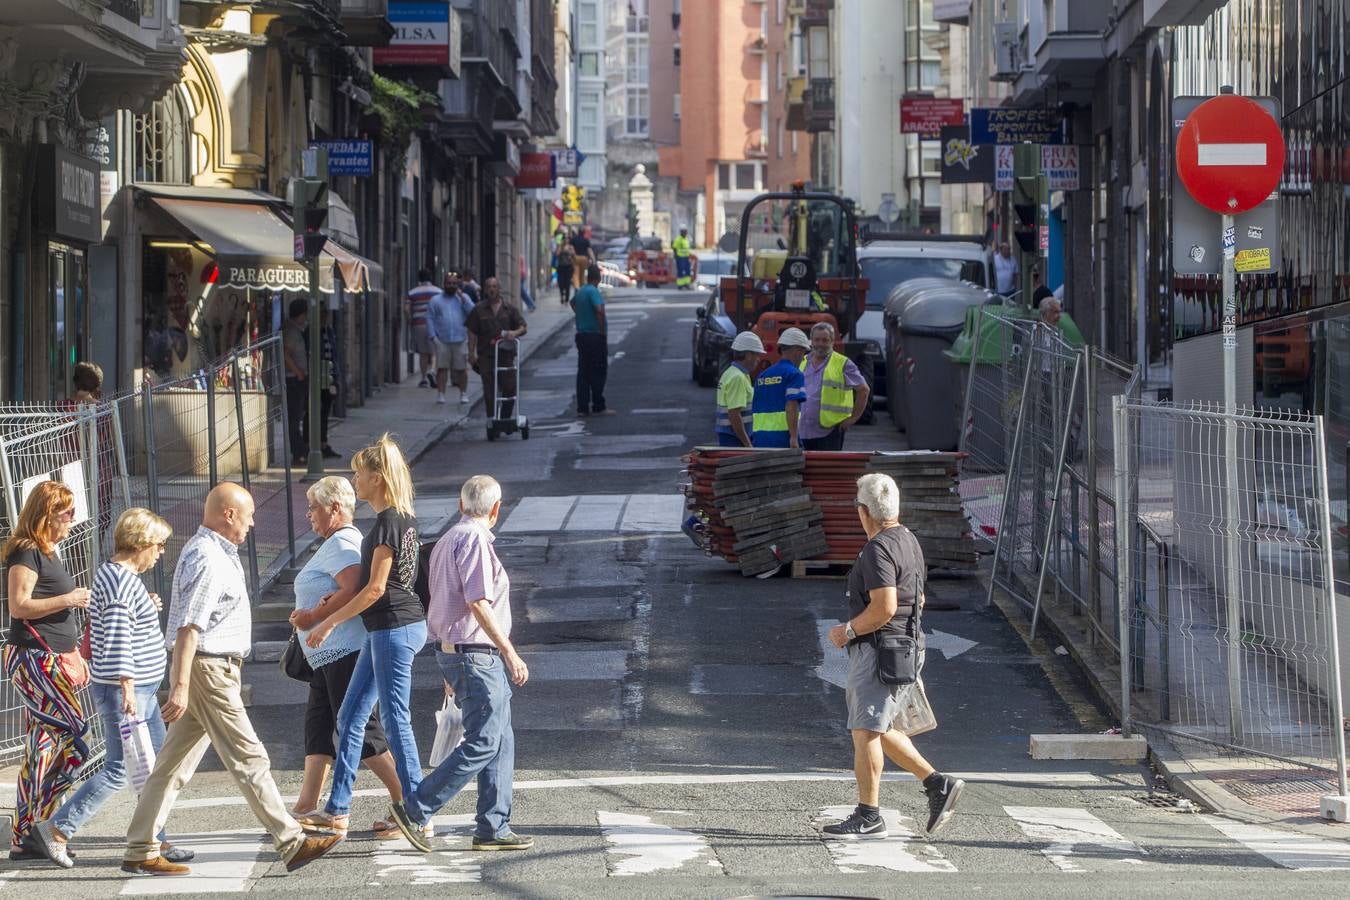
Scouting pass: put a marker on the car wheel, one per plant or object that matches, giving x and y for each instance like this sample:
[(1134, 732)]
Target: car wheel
[(706, 376)]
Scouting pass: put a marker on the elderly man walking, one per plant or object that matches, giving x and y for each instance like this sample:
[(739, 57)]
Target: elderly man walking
[(210, 633), (836, 393), (470, 616), (885, 597)]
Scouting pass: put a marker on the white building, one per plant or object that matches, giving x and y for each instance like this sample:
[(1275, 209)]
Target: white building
[(588, 40)]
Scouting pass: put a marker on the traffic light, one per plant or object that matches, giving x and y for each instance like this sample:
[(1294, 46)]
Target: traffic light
[(1026, 210), (310, 215)]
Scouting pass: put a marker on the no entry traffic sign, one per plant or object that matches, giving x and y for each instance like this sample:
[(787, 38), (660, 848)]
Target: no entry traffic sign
[(1230, 154)]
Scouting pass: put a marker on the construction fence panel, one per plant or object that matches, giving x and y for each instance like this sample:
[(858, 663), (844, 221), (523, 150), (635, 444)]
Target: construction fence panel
[(1228, 597)]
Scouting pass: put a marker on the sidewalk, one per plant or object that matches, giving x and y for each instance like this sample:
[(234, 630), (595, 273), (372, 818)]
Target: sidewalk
[(1246, 788), (411, 415)]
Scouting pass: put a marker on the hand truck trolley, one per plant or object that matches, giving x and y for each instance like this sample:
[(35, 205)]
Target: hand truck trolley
[(506, 361)]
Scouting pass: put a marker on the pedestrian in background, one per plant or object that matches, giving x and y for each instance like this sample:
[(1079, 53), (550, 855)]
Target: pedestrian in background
[(330, 580), (526, 296), (469, 284), (42, 598), (211, 630), (780, 391), (836, 393), (683, 270), (295, 357), (1005, 270), (396, 630), (470, 616), (491, 321), (445, 323), (415, 310), (885, 597), (87, 379), (592, 340), (127, 660), (328, 381), (567, 257), (581, 243), (735, 393)]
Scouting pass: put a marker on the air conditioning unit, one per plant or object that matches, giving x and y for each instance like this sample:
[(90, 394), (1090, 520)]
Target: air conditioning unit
[(1007, 52)]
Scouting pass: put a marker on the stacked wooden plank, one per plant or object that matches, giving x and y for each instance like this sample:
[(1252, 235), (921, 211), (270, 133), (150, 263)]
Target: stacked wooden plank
[(754, 509), (930, 505)]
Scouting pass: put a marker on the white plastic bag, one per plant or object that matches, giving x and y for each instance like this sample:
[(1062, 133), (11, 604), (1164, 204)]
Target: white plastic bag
[(138, 754), (916, 714), (449, 732)]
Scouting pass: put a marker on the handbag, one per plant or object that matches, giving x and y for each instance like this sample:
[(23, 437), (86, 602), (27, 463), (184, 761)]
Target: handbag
[(293, 663), (138, 753), (449, 732), (898, 654), (71, 663), (916, 713)]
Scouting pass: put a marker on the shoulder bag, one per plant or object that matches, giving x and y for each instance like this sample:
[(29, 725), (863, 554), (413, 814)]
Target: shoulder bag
[(71, 663), (293, 663), (898, 654)]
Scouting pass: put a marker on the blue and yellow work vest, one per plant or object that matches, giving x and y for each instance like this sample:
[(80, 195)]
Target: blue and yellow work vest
[(836, 397), (774, 387)]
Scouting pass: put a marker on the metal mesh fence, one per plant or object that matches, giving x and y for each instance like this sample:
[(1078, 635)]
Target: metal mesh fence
[(163, 448), (1229, 598)]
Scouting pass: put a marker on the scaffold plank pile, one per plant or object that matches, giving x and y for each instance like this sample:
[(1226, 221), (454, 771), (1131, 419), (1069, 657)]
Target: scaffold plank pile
[(762, 508)]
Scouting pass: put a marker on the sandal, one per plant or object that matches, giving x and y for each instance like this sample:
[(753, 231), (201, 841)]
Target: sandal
[(319, 820), (175, 854)]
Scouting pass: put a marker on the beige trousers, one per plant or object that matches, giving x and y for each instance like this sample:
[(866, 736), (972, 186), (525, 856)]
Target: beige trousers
[(215, 716)]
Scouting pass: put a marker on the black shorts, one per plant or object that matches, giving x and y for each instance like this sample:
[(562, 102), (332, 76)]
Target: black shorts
[(327, 689)]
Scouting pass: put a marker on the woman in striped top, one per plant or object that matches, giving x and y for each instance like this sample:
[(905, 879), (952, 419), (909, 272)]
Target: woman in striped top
[(127, 645)]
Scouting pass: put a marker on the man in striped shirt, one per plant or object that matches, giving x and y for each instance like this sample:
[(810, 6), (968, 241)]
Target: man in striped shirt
[(210, 633), (415, 309)]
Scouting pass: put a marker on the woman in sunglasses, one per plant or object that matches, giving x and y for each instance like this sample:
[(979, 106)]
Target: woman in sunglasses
[(43, 598)]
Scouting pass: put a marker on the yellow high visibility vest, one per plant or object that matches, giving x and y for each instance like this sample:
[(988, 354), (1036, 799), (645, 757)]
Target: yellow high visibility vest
[(680, 245), (836, 397)]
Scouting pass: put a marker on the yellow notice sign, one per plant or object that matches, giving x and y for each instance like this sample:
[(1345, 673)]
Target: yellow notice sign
[(1254, 260)]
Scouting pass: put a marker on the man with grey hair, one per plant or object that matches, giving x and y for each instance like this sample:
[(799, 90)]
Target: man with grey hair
[(470, 615), (836, 393), (885, 596)]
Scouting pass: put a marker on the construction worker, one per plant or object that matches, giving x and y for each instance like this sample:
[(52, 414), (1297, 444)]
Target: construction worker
[(780, 390), (836, 393), (735, 393), (683, 275)]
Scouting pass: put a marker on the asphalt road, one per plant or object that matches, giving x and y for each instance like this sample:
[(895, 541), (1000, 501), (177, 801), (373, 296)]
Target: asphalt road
[(681, 735)]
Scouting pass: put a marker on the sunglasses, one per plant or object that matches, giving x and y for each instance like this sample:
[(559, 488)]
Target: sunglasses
[(67, 514)]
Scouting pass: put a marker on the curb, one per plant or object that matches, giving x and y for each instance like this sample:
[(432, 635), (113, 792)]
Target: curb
[(1182, 776)]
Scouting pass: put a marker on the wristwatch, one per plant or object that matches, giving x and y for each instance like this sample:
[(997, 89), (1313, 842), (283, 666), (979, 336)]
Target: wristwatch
[(849, 632)]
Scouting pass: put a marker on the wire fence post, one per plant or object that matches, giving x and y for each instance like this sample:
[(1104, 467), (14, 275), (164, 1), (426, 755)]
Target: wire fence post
[(288, 451), (212, 467), (244, 474), (120, 453), (967, 414), (1337, 711), (151, 473), (1091, 599), (1124, 531), (1009, 507), (1058, 463), (11, 504), (88, 438)]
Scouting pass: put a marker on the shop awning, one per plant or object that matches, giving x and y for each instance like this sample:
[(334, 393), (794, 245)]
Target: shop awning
[(252, 244)]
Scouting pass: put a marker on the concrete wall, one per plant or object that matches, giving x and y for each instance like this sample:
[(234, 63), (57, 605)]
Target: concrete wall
[(867, 39)]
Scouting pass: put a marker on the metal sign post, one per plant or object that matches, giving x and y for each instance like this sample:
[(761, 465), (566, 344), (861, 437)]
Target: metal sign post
[(1233, 605)]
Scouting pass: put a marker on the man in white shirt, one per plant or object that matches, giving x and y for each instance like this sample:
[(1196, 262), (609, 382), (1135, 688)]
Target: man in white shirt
[(1005, 270), (210, 631)]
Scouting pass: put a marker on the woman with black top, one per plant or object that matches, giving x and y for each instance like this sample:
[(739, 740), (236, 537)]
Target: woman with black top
[(396, 629), (43, 625)]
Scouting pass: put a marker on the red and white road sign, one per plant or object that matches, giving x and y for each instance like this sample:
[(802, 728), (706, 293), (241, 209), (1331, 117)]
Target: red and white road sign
[(1230, 154)]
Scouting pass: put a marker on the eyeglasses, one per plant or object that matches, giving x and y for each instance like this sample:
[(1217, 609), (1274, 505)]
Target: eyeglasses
[(67, 514)]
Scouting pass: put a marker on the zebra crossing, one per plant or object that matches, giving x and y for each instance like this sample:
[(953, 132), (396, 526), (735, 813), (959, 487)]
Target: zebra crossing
[(622, 513)]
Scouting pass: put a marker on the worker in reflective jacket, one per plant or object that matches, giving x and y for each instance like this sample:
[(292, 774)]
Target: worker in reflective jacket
[(735, 393), (683, 273), (780, 390), (836, 393)]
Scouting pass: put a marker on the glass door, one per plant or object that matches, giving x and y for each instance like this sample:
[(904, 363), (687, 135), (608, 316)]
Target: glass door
[(67, 290)]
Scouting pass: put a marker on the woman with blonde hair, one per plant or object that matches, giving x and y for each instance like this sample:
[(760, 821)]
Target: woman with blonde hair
[(128, 661), (43, 627), (396, 629)]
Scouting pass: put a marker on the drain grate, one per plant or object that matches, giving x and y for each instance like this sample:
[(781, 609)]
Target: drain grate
[(1172, 802)]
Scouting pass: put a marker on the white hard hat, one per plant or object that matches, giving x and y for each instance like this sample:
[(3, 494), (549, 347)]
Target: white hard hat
[(794, 337), (747, 340)]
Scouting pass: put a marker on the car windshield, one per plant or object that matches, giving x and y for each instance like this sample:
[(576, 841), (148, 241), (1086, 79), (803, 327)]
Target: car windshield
[(779, 228), (716, 265), (885, 272)]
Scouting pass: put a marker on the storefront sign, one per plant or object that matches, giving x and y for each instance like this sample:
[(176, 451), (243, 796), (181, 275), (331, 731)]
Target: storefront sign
[(1009, 125), (962, 161), (568, 162), (67, 200), (421, 35), (349, 157), (536, 171), (1003, 167), (1059, 165), (925, 116), (279, 277)]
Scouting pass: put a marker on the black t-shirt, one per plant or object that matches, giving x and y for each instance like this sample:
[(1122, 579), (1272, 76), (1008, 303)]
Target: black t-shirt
[(1041, 293), (892, 558), (582, 245), (61, 629), (399, 606)]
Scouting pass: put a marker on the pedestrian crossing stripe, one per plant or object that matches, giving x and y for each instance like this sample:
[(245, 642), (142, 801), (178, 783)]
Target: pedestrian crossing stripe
[(637, 845), (1065, 830), (623, 513), (1286, 849), (224, 864), (398, 862), (900, 851)]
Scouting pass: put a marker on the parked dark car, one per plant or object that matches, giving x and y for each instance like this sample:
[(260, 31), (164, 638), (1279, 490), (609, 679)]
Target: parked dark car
[(713, 334)]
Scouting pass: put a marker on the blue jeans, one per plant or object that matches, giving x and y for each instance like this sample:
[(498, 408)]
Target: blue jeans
[(383, 673), (488, 751), (90, 796)]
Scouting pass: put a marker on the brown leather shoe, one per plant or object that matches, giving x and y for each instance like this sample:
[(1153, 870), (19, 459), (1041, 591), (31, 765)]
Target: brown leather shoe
[(157, 866), (311, 849)]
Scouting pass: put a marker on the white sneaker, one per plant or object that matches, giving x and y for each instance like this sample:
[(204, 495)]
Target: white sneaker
[(463, 399), (440, 399)]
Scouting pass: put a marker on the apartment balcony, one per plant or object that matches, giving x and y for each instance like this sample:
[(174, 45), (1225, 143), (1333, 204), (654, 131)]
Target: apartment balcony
[(1069, 52), (816, 12), (756, 146), (820, 105), (796, 104), (488, 42), (366, 22), (1160, 13), (757, 44), (796, 7)]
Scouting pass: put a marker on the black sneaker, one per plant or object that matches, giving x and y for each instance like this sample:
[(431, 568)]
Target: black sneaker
[(856, 828), (411, 830), (942, 802), (509, 841)]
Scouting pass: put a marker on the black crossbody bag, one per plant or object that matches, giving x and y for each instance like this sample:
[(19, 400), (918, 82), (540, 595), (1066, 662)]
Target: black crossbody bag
[(898, 654)]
